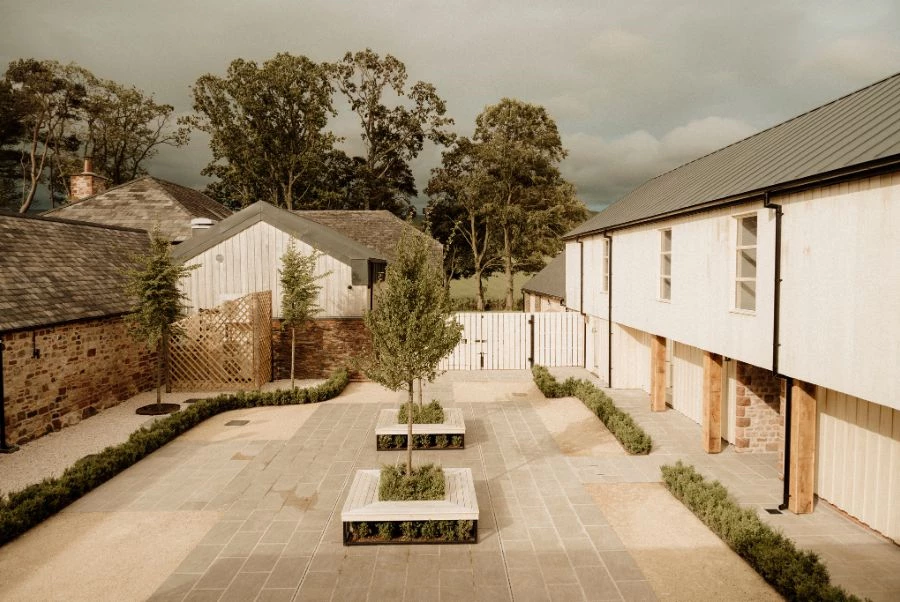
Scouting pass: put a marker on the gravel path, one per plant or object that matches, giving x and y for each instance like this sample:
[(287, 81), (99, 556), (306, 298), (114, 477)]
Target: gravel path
[(50, 455)]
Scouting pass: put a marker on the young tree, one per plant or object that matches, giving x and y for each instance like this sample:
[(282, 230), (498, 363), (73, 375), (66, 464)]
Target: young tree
[(159, 303), (298, 292), (267, 128), (411, 327), (392, 136)]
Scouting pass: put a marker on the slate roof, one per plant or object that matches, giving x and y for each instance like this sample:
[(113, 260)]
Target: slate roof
[(858, 131), (54, 270), (143, 203), (379, 229), (551, 281)]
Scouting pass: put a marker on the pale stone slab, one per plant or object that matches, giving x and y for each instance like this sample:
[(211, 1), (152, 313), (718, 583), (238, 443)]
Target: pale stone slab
[(453, 424)]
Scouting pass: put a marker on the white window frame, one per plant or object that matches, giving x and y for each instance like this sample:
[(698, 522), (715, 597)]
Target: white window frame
[(605, 283), (740, 248), (664, 293)]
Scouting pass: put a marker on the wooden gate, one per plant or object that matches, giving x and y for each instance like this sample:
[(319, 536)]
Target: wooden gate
[(224, 348), (516, 341)]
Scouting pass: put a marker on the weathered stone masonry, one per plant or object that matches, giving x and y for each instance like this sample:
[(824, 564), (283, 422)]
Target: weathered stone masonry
[(760, 417), (322, 347), (56, 376)]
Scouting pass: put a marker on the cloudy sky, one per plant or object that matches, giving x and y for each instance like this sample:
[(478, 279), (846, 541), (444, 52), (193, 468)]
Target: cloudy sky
[(636, 88)]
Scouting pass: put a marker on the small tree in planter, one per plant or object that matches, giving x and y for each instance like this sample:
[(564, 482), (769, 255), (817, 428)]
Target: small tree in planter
[(411, 327), (299, 292), (159, 303)]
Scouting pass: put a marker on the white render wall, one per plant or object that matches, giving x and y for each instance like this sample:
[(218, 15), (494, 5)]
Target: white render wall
[(596, 302), (573, 275), (250, 261), (700, 313), (840, 295)]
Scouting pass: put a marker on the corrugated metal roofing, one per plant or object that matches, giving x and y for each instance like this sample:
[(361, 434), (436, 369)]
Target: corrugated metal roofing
[(54, 271), (856, 129), (551, 281)]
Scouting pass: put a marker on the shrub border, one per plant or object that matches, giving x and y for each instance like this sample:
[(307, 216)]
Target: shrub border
[(463, 531), (420, 441), (793, 573), (28, 507), (619, 422)]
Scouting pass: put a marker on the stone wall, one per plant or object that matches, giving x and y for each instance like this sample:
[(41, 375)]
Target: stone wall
[(322, 347), (760, 414), (59, 375)]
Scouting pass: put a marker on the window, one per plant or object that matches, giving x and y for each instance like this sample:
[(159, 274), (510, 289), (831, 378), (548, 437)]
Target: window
[(745, 271), (665, 264), (605, 265)]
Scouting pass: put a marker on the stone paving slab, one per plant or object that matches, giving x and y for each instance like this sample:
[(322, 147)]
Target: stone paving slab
[(858, 559)]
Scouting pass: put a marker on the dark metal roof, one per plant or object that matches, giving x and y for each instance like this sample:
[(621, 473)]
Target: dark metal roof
[(145, 203), (551, 281), (858, 130), (319, 236), (54, 271)]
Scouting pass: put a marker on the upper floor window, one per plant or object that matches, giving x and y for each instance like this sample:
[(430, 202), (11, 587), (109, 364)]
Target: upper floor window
[(605, 265), (665, 264), (745, 272)]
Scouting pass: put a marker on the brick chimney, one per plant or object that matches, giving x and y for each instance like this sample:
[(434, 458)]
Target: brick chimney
[(87, 183)]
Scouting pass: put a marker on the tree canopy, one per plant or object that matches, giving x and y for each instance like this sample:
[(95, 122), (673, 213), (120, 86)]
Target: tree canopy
[(503, 192), (55, 114), (266, 125)]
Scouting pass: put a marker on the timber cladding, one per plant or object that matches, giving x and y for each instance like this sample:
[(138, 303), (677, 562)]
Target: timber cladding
[(322, 346), (56, 376)]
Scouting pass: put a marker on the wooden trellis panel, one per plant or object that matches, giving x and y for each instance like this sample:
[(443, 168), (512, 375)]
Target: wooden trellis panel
[(224, 348)]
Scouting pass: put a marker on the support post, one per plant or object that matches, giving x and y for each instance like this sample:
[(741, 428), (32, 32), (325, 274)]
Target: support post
[(658, 374), (803, 448), (712, 402)]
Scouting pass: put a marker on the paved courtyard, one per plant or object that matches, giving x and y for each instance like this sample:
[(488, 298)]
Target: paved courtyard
[(251, 511)]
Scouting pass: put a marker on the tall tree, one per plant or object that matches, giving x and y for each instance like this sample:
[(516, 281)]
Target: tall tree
[(62, 113), (518, 148), (392, 135), (299, 290), (461, 218), (48, 97), (410, 324), (12, 130), (158, 301), (267, 128), (125, 128)]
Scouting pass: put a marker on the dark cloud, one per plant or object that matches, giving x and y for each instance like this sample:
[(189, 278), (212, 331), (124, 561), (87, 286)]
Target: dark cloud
[(636, 88)]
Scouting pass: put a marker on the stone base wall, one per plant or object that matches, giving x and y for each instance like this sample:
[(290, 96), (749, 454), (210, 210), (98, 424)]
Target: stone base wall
[(56, 376), (322, 347), (760, 411)]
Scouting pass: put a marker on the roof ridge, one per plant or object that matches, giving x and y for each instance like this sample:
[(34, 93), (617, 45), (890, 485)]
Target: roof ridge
[(43, 217)]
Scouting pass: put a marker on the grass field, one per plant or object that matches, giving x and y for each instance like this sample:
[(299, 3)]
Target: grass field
[(494, 287)]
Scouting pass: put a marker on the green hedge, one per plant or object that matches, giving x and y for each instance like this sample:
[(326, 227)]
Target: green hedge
[(795, 574), (431, 413), (26, 508), (620, 423), (425, 483), (422, 531)]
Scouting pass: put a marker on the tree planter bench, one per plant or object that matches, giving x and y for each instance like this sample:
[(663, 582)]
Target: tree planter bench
[(450, 434), (366, 520)]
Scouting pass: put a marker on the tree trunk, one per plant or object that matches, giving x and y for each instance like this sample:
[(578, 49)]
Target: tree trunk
[(409, 435), (293, 352), (421, 399), (479, 291), (507, 268), (160, 349)]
